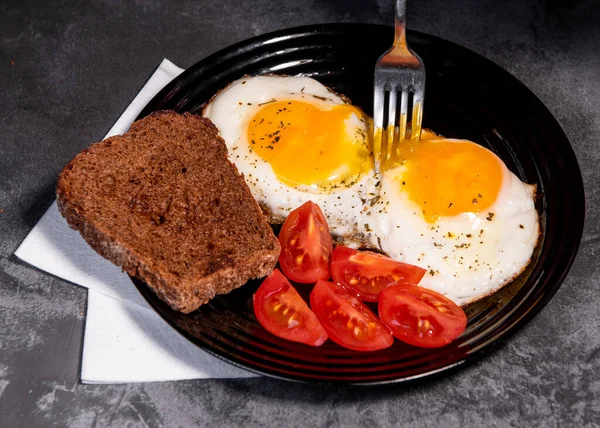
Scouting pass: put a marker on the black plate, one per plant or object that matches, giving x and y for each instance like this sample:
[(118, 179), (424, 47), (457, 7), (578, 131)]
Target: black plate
[(467, 96)]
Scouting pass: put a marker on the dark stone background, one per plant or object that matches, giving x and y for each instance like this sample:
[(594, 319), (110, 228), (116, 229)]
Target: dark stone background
[(67, 71)]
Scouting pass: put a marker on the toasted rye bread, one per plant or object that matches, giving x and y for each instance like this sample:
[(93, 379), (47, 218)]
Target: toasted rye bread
[(164, 203)]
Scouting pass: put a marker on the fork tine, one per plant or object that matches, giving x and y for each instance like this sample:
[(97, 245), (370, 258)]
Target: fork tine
[(378, 126), (417, 116), (391, 126), (403, 115)]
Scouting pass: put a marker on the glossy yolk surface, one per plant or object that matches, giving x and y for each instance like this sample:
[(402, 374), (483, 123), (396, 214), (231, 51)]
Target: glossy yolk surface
[(306, 145), (446, 178)]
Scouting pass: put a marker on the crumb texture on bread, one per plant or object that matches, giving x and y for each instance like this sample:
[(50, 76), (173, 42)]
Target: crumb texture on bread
[(163, 202)]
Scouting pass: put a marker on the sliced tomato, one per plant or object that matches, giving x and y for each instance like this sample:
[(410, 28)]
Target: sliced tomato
[(306, 245), (347, 320), (281, 311), (368, 273), (421, 317)]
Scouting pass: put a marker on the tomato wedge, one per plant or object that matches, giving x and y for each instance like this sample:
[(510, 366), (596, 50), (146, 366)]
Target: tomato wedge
[(281, 311), (421, 317), (368, 273), (347, 320), (306, 245)]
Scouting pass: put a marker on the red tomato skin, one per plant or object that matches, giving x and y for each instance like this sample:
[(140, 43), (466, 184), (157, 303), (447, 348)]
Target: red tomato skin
[(411, 312), (277, 289), (306, 245), (349, 265), (328, 297)]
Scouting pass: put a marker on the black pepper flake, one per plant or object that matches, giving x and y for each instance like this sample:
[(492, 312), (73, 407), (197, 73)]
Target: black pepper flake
[(267, 102), (450, 205), (490, 216), (475, 201), (521, 226)]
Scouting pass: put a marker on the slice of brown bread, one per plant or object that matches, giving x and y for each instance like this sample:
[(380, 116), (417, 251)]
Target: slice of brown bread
[(164, 203)]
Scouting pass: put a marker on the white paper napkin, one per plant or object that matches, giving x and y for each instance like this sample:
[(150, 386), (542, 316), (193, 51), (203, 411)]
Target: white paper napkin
[(125, 340)]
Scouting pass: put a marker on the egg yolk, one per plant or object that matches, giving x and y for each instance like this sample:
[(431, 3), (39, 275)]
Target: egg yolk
[(446, 178), (307, 145)]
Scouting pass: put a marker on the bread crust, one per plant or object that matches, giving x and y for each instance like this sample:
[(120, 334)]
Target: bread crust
[(189, 232)]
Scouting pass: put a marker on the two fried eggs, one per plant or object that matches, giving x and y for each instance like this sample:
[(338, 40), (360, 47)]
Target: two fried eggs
[(451, 206)]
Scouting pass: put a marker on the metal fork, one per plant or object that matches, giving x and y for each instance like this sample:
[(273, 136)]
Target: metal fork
[(398, 71)]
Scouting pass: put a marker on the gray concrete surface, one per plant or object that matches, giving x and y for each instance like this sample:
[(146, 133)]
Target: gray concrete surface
[(68, 69)]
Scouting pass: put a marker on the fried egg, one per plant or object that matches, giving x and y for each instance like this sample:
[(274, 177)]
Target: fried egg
[(454, 208), (294, 140), (449, 206)]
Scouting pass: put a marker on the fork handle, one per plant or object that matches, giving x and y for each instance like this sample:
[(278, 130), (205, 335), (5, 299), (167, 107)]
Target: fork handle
[(400, 25)]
